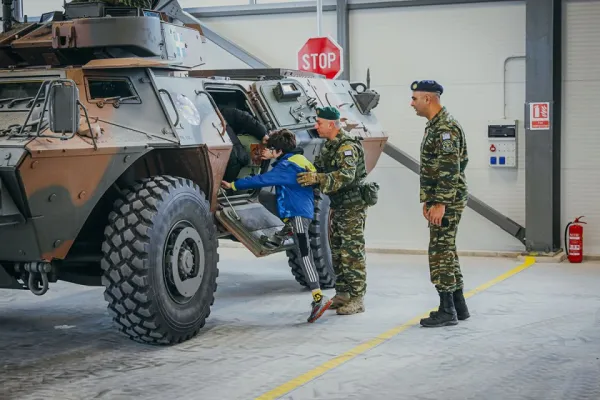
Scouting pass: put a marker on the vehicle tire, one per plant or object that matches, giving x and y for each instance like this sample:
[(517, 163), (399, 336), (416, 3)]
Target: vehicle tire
[(161, 222), (319, 244)]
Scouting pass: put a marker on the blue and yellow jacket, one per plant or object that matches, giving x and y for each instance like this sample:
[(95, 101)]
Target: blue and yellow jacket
[(293, 200)]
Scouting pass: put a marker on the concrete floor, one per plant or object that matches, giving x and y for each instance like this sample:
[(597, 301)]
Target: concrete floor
[(535, 335)]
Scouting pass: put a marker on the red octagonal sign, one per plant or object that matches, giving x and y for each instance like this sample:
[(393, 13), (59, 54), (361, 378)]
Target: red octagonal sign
[(321, 55)]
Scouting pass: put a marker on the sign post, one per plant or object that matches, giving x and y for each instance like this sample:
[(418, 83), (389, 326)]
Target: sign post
[(319, 17), (539, 116), (321, 55)]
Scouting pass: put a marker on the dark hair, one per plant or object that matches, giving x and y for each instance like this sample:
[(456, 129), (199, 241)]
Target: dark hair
[(283, 140)]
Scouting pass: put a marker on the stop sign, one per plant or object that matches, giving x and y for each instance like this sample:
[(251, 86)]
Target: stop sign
[(321, 55)]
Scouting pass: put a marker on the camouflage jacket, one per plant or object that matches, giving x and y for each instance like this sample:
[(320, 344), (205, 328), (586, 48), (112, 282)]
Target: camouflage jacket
[(343, 163), (443, 161)]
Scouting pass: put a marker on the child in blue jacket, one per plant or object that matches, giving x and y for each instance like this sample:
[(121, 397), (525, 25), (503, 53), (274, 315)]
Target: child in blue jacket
[(295, 203)]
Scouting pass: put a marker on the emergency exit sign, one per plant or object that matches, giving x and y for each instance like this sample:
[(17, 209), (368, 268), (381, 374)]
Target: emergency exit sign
[(539, 116)]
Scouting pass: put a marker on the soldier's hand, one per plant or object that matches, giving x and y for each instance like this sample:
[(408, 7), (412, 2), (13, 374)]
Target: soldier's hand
[(436, 213), (425, 213), (308, 178)]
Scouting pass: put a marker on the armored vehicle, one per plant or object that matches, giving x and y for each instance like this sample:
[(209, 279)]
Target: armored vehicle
[(113, 146)]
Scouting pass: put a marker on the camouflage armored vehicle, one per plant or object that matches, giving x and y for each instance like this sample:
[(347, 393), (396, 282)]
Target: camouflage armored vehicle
[(113, 147)]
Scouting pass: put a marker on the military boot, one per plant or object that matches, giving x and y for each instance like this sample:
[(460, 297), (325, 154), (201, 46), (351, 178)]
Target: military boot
[(354, 306), (446, 314), (339, 300), (462, 312)]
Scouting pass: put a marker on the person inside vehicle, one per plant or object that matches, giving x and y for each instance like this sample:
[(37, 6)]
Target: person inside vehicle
[(238, 122)]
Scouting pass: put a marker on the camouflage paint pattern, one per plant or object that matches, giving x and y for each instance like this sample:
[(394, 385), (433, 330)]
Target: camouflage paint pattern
[(444, 158), (58, 184), (444, 265), (341, 166), (347, 243), (147, 110)]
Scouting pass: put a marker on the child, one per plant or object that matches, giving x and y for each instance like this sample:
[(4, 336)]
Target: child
[(294, 203)]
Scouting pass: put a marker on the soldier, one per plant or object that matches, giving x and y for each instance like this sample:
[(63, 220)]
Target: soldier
[(443, 193), (148, 4), (340, 171)]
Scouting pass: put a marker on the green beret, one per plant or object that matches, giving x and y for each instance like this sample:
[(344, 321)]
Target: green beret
[(427, 86), (330, 113)]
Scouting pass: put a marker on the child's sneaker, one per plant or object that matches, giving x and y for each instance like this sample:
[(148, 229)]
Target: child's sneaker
[(279, 237), (318, 308)]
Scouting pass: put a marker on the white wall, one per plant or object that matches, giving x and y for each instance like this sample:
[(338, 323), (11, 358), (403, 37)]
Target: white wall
[(400, 45), (580, 132), (35, 8)]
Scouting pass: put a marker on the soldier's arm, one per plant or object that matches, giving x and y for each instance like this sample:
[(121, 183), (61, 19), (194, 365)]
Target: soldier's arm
[(347, 159), (448, 163), (244, 122)]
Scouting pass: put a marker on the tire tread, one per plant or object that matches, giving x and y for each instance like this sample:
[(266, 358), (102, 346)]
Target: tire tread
[(125, 265)]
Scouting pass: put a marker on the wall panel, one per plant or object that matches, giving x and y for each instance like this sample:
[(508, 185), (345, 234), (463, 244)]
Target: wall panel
[(580, 132)]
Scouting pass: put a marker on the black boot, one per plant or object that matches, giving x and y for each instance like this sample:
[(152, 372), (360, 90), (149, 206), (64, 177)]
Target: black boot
[(445, 316), (462, 312)]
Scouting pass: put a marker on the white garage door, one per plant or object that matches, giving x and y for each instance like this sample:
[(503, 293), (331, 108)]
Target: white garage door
[(581, 118)]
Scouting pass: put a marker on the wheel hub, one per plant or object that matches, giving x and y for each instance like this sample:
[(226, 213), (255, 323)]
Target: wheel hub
[(184, 262)]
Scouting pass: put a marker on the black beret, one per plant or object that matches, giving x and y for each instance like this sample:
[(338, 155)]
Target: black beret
[(427, 86)]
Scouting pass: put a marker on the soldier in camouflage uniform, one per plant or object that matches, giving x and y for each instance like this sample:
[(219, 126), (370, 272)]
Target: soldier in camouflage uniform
[(148, 4), (443, 193), (340, 171)]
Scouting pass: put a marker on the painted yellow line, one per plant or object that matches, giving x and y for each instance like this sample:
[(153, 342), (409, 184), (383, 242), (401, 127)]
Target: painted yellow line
[(362, 348)]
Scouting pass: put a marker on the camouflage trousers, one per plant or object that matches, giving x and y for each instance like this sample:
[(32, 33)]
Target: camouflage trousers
[(444, 266), (347, 242), (126, 3)]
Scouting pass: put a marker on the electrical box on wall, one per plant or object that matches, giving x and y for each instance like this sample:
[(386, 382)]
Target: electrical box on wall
[(502, 141)]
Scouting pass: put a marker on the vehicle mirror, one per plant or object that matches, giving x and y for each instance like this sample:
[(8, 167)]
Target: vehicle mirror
[(63, 106)]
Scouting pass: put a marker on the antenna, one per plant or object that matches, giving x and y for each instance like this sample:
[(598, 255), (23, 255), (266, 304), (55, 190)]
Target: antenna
[(368, 78)]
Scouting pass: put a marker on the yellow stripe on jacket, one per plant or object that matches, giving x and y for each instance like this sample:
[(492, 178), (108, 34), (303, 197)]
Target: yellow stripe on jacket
[(302, 162)]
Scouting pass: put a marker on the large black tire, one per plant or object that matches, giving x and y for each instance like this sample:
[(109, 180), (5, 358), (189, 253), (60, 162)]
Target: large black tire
[(159, 217), (319, 243)]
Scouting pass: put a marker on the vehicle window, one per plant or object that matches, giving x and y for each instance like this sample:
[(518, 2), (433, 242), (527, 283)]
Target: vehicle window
[(18, 90), (110, 88)]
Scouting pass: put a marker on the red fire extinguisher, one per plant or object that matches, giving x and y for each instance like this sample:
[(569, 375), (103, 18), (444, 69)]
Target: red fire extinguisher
[(574, 245)]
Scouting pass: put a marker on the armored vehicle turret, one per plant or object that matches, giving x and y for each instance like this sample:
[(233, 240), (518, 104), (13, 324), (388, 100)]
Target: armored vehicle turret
[(113, 146)]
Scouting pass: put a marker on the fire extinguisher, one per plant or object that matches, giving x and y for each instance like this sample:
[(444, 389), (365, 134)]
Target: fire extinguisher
[(574, 245)]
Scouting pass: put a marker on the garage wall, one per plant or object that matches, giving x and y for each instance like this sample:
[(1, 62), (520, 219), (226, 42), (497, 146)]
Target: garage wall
[(580, 132), (400, 45), (35, 8)]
